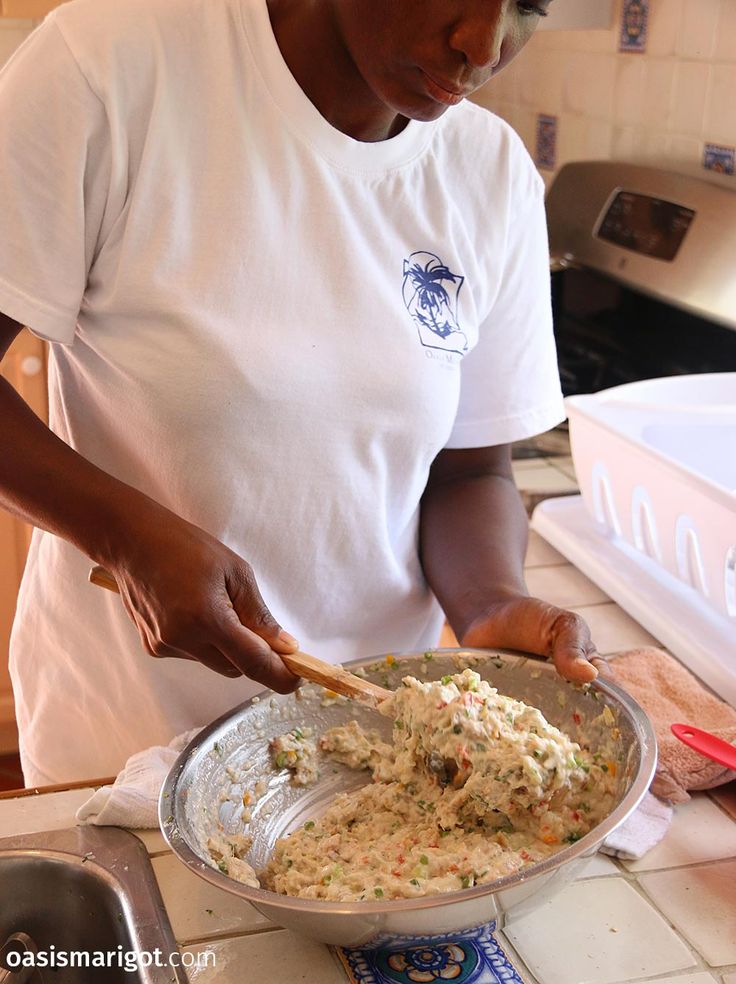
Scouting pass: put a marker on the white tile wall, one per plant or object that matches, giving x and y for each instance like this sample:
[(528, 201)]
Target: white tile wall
[(660, 107)]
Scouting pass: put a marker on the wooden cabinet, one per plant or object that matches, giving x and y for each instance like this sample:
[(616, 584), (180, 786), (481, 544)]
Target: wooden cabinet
[(27, 9), (25, 367)]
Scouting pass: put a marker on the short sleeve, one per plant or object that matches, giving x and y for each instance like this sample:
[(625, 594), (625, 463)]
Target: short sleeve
[(54, 178), (510, 385)]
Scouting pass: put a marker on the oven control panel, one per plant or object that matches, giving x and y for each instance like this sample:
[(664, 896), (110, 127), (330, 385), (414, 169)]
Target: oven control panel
[(645, 224)]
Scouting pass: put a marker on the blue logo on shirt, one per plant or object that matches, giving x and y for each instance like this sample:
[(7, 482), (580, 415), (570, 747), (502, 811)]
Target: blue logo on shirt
[(430, 291)]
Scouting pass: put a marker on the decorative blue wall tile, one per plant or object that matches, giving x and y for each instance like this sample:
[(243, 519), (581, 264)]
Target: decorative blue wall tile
[(634, 23), (546, 142), (721, 159), (472, 957)]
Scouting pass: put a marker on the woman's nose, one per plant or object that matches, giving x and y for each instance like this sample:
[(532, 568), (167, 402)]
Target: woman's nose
[(479, 31)]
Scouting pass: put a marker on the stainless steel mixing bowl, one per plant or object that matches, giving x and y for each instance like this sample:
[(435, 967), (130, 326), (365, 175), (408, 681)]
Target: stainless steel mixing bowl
[(200, 792)]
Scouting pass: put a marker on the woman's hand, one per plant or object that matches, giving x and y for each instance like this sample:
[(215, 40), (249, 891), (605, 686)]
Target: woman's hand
[(534, 626), (191, 597)]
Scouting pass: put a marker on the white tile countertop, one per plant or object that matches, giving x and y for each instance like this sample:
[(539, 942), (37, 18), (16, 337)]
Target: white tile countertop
[(668, 918)]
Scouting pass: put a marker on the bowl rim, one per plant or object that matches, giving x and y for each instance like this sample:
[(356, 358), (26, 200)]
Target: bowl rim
[(170, 805)]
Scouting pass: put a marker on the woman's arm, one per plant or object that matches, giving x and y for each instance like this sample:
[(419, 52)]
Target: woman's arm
[(473, 538), (187, 593)]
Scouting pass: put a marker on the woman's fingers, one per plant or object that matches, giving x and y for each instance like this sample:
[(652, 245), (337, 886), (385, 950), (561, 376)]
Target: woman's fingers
[(215, 614), (252, 655), (534, 626), (571, 647)]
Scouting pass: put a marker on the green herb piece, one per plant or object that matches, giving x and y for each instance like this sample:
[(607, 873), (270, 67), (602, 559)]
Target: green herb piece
[(429, 655), (424, 859), (222, 865), (414, 881), (378, 892), (447, 679), (281, 760), (465, 881), (309, 825)]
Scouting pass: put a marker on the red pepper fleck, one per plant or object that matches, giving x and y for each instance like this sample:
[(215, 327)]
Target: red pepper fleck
[(401, 859), (576, 717), (396, 873)]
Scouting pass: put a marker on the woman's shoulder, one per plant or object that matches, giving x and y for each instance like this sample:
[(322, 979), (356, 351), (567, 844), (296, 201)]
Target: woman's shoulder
[(100, 30), (476, 140), (123, 46)]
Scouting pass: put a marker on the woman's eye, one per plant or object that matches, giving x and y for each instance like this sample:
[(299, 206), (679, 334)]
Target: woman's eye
[(531, 9)]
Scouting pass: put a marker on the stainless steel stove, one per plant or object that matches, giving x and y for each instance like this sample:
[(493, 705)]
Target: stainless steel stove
[(644, 274)]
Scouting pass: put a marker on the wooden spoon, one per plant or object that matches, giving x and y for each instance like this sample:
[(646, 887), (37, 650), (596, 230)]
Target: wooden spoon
[(315, 670)]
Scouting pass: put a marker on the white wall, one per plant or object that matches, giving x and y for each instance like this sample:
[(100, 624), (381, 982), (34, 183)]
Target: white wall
[(659, 107)]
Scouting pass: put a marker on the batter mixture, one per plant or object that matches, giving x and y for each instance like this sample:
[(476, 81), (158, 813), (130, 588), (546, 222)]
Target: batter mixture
[(475, 786)]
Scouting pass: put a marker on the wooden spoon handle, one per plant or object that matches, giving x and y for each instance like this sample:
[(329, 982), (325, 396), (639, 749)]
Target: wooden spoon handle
[(315, 670), (335, 678)]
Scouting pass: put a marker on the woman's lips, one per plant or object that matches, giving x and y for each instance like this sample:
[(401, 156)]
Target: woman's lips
[(442, 92)]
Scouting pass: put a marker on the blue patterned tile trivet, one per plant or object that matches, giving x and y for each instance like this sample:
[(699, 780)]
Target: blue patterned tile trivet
[(472, 957), (546, 141), (634, 23), (721, 159)]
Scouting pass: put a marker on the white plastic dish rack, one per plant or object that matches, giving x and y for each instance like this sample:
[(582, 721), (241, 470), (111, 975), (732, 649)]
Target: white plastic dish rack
[(656, 466)]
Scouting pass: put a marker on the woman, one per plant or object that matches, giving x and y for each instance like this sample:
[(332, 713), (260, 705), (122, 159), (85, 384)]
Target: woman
[(297, 311)]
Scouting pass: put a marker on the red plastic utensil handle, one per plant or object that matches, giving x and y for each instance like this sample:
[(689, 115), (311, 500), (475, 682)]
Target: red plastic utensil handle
[(707, 744)]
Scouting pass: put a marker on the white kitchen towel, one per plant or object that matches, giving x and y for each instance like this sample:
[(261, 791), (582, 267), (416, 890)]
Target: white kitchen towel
[(645, 828), (132, 800)]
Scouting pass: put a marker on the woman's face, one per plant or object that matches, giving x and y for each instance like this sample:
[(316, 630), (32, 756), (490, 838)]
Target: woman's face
[(418, 57)]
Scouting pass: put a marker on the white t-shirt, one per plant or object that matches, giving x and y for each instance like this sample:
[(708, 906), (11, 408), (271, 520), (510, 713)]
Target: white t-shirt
[(260, 322)]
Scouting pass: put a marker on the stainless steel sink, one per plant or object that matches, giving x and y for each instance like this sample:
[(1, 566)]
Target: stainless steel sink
[(85, 891)]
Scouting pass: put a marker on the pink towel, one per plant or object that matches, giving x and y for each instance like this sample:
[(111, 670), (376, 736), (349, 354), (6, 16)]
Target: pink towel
[(670, 694)]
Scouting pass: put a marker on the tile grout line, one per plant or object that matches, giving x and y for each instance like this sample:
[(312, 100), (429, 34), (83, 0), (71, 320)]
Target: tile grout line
[(225, 935), (520, 965), (701, 963)]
